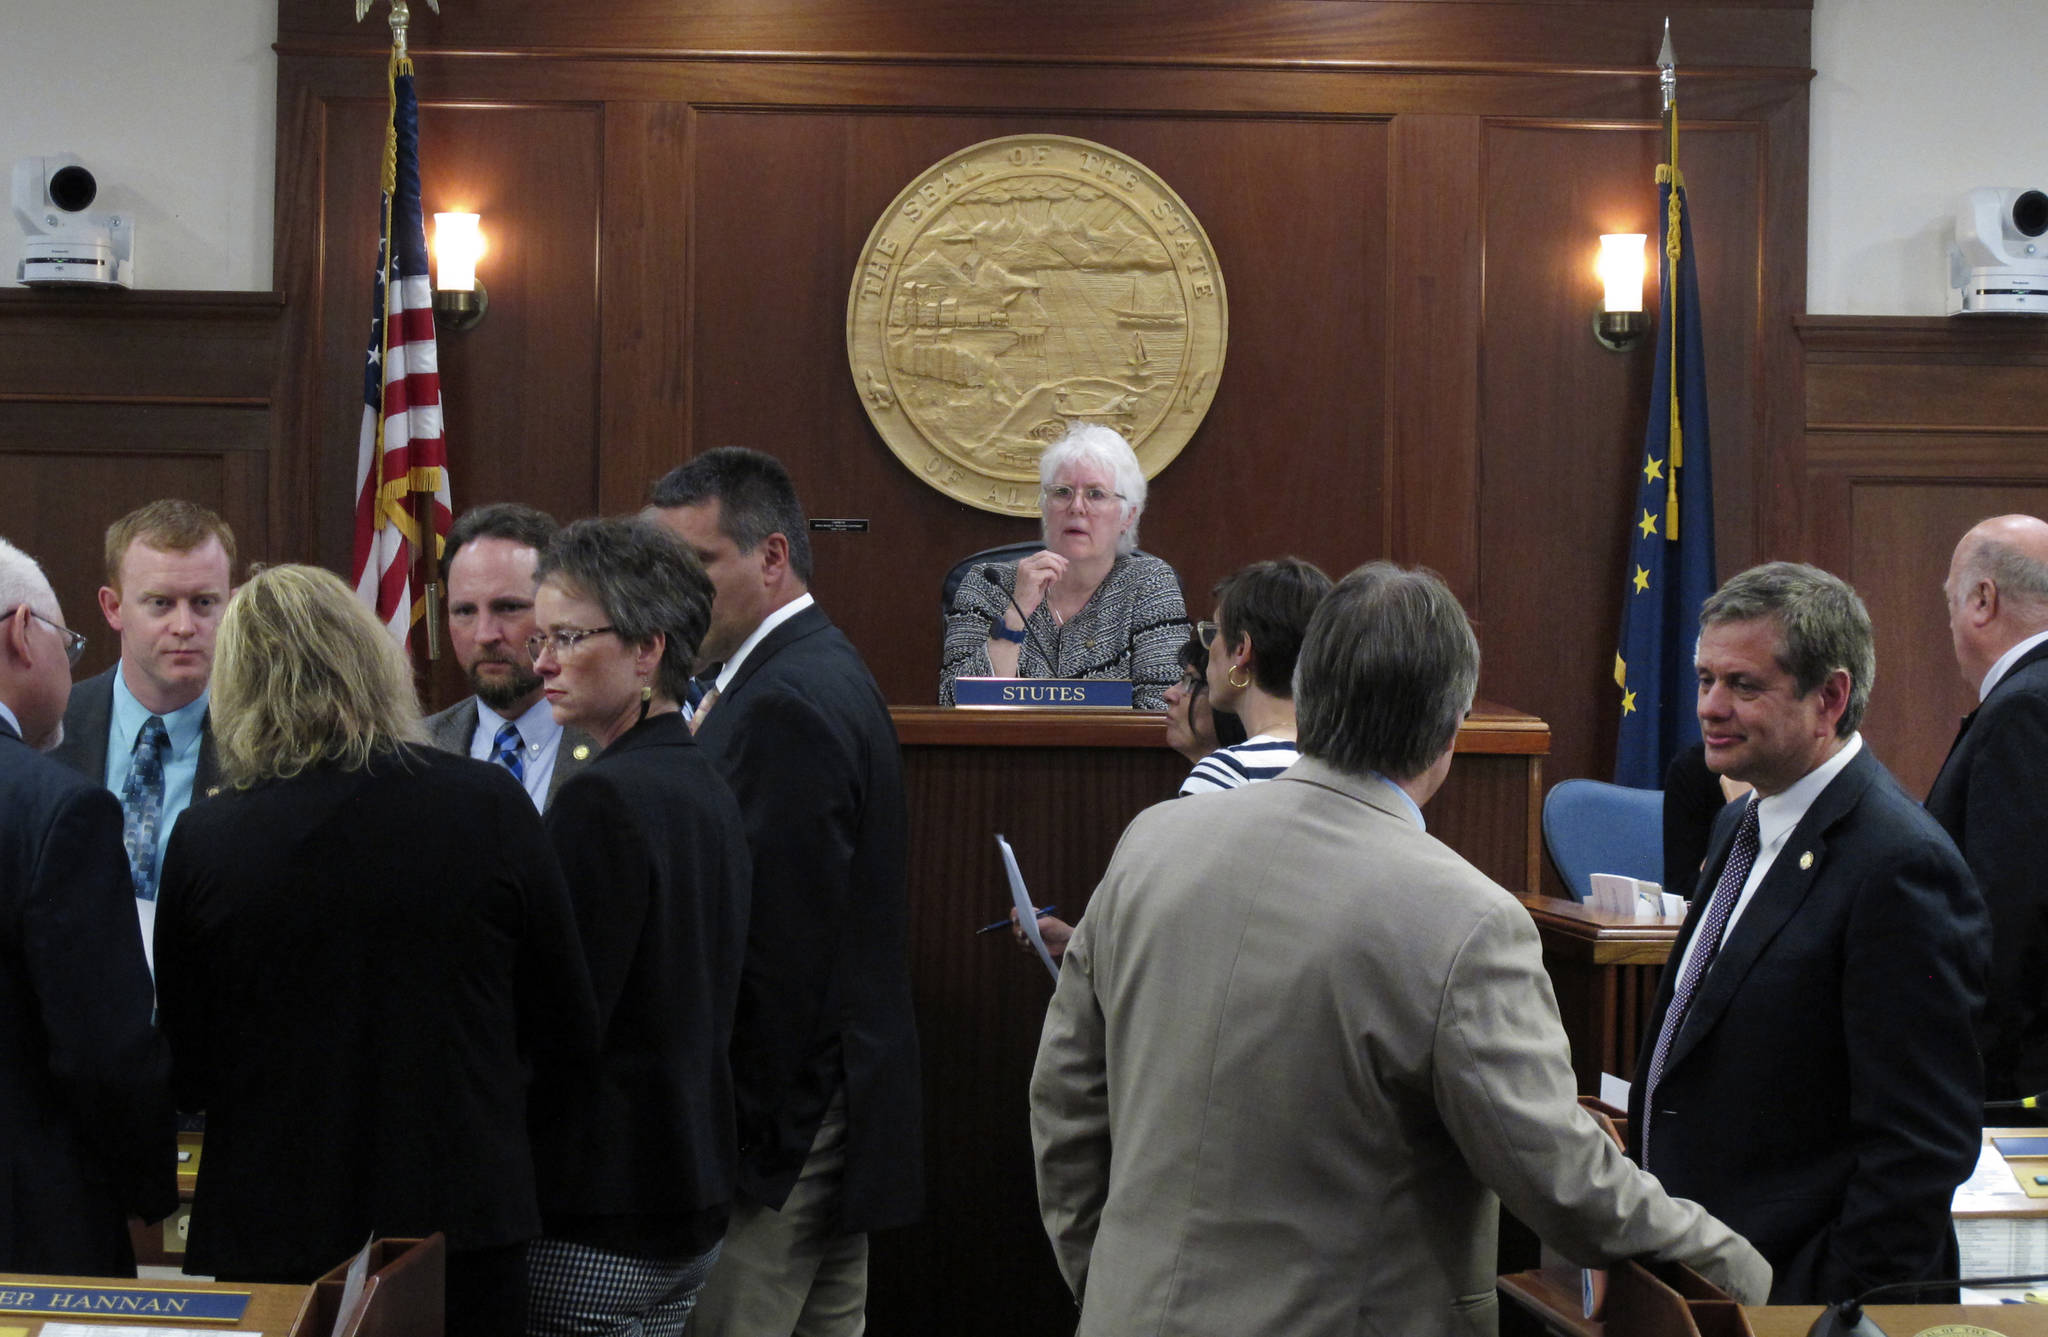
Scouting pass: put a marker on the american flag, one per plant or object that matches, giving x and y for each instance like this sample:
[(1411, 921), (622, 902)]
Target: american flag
[(402, 451)]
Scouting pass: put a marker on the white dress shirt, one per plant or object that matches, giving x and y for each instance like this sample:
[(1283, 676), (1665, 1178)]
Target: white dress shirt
[(2006, 661), (1775, 818)]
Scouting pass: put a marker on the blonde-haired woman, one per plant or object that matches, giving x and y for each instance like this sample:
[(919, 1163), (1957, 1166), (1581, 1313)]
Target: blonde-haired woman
[(360, 944)]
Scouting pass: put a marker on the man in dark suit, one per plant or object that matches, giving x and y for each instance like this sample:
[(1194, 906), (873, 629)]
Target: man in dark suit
[(1988, 795), (1812, 1077), (824, 1050), (488, 563), (142, 727), (86, 1131)]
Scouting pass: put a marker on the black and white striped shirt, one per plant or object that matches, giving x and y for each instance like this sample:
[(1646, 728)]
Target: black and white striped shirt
[(1259, 758)]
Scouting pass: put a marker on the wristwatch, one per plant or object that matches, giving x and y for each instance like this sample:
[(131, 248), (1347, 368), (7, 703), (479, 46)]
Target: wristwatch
[(1000, 630)]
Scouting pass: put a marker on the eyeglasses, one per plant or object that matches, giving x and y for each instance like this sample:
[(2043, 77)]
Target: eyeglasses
[(1205, 631), (74, 642), (564, 642), (1059, 494), (1193, 684)]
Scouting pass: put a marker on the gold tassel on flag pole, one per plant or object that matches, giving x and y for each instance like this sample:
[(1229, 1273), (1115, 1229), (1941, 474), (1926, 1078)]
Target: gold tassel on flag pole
[(1667, 83)]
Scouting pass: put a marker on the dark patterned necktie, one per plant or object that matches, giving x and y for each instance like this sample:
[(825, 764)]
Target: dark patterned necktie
[(142, 804), (509, 751), (1706, 946)]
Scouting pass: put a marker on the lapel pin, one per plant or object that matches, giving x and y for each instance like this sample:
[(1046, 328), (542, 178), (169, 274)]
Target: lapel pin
[(1806, 861), (582, 753)]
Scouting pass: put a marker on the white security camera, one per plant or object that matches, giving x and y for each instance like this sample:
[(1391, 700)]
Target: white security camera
[(68, 244), (1998, 261)]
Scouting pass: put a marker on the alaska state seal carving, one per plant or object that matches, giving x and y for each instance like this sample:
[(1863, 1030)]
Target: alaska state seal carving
[(1023, 284)]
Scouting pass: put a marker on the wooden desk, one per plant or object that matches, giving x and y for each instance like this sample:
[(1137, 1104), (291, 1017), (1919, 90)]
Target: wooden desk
[(1605, 969), (1062, 786)]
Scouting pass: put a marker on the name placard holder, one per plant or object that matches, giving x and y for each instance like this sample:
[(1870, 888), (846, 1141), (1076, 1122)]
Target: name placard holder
[(1042, 694)]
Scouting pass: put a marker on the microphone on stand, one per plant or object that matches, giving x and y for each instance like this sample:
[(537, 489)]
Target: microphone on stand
[(1845, 1318), (988, 574)]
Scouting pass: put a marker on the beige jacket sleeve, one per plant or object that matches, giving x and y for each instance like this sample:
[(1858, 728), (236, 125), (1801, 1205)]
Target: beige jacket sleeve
[(1505, 1089)]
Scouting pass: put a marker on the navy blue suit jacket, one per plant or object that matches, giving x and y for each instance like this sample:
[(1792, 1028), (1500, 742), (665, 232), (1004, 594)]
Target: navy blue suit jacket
[(1823, 1097), (86, 1129), (805, 739), (1988, 798)]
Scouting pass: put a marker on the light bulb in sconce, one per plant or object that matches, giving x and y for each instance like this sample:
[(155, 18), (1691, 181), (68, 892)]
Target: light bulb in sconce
[(459, 299), (1619, 324)]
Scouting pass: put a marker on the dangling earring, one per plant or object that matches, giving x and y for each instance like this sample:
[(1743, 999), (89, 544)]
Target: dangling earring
[(1231, 677), (646, 700)]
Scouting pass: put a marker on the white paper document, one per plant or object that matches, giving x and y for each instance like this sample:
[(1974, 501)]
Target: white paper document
[(1027, 913)]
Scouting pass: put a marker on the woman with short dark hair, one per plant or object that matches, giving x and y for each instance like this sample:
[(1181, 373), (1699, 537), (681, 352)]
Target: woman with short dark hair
[(637, 1164), (1262, 612)]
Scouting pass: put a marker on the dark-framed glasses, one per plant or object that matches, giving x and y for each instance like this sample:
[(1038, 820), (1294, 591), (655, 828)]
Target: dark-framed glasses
[(1091, 498), (74, 642), (564, 641)]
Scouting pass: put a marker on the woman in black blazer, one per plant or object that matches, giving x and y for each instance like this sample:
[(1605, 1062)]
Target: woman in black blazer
[(361, 946), (637, 1163)]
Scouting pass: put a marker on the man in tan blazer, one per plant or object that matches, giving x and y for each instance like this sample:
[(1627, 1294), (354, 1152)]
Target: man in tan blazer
[(1300, 1051)]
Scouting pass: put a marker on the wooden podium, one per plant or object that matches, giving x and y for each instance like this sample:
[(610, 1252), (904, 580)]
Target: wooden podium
[(1605, 968), (402, 1297)]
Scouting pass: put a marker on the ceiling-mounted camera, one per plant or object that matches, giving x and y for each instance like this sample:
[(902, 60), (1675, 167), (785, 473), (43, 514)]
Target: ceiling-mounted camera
[(66, 243), (1998, 259)]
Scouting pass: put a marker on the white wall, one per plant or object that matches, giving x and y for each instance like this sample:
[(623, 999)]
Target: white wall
[(173, 106), (1914, 103)]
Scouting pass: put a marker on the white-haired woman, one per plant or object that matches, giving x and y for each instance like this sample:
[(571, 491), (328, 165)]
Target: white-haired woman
[(1087, 605)]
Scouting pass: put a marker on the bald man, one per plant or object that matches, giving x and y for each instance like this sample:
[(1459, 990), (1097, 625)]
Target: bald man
[(1989, 793)]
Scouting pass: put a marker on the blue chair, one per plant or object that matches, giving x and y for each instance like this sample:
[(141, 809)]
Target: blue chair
[(1590, 826)]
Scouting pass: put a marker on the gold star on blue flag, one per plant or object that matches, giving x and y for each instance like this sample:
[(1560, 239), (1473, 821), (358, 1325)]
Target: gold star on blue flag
[(1670, 568)]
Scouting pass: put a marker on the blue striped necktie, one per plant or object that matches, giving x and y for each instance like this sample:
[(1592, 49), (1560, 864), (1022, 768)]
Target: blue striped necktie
[(142, 804), (509, 751)]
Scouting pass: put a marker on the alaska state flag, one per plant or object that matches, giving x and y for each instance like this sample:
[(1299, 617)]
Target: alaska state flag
[(1670, 568)]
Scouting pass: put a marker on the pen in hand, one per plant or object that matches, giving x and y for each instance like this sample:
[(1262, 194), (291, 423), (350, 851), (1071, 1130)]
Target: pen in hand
[(1005, 923)]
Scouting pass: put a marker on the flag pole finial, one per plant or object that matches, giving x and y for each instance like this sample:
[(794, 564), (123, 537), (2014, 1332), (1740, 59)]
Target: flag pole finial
[(401, 16), (1667, 68)]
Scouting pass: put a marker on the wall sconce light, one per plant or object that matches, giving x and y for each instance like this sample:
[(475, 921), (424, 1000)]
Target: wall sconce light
[(1619, 324), (459, 300)]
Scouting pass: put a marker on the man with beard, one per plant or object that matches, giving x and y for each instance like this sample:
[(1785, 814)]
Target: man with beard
[(488, 565)]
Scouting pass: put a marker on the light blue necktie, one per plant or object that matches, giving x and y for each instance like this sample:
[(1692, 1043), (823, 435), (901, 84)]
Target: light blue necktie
[(509, 751), (142, 804)]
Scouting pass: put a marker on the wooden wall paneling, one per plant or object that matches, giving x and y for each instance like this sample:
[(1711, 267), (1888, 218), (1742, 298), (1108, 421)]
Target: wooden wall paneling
[(1400, 33), (1289, 458), (1435, 315), (644, 300), (1773, 510), (1562, 418), (112, 399), (1915, 430)]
